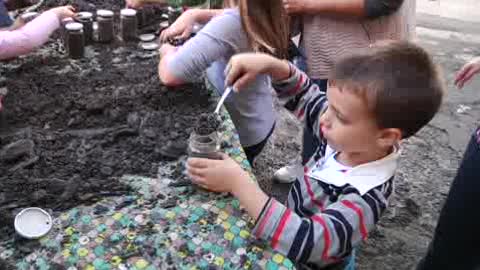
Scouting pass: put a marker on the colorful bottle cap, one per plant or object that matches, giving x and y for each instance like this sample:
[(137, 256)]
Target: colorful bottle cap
[(33, 223)]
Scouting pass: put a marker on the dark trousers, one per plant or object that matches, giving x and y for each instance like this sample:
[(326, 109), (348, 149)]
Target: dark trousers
[(456, 243), (310, 143), (253, 151)]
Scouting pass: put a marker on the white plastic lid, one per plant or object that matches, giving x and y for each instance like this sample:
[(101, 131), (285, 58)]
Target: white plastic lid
[(74, 26), (85, 15), (33, 223), (149, 46), (147, 37), (128, 12), (104, 13), (164, 24)]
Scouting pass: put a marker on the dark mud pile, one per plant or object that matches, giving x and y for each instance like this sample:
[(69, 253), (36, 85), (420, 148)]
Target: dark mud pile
[(70, 128), (207, 124)]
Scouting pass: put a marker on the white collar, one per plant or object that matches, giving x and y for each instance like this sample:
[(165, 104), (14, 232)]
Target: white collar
[(364, 177)]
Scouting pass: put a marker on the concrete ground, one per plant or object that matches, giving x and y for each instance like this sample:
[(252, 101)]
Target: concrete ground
[(450, 30)]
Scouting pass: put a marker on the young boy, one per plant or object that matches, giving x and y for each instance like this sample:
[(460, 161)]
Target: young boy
[(375, 98)]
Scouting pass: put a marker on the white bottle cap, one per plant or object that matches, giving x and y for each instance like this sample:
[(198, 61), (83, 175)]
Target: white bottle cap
[(147, 37), (84, 15), (104, 13), (128, 12), (149, 46), (74, 26), (33, 223)]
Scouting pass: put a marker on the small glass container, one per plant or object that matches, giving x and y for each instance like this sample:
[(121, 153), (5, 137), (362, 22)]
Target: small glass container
[(204, 146), (105, 25), (63, 30), (86, 18), (128, 24), (75, 40), (28, 16)]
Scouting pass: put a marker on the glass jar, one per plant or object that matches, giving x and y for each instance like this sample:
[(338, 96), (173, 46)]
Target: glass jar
[(64, 32), (173, 14), (86, 18), (105, 25), (128, 24), (76, 41), (204, 146)]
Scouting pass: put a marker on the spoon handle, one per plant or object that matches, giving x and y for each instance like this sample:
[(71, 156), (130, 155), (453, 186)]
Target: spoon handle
[(222, 99)]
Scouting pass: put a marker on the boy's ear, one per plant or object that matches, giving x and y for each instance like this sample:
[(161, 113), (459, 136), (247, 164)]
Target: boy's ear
[(389, 137)]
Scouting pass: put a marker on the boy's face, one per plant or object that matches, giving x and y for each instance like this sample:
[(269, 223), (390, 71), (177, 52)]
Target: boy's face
[(348, 125)]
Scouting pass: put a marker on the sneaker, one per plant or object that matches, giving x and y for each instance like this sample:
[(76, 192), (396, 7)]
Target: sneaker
[(287, 174)]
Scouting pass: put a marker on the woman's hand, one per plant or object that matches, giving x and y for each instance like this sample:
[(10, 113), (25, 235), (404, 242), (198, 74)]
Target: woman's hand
[(64, 12), (467, 72), (296, 6)]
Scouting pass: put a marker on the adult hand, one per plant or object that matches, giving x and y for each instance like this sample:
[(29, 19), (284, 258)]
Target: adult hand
[(467, 72), (134, 3), (296, 6), (64, 12), (223, 175), (182, 28)]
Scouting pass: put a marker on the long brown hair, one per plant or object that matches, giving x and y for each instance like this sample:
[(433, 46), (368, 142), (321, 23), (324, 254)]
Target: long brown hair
[(267, 25)]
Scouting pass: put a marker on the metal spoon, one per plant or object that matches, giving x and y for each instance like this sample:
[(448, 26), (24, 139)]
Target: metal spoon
[(222, 99)]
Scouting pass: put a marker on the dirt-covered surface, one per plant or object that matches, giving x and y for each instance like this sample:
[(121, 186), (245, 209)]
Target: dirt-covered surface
[(71, 128)]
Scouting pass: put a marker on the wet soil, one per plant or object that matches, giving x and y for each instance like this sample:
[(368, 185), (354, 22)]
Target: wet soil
[(70, 128)]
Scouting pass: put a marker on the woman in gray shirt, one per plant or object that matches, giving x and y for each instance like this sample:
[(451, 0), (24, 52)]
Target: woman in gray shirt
[(251, 110)]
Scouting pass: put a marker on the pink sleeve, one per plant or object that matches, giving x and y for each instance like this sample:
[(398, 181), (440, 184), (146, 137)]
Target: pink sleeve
[(26, 39)]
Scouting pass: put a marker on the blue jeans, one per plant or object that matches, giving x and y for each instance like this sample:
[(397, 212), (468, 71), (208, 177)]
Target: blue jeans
[(5, 20)]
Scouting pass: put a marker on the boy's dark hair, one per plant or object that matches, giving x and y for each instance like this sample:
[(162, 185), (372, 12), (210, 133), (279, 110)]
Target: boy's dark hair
[(399, 81)]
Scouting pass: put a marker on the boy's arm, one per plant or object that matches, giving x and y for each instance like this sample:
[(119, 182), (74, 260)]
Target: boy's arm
[(323, 237), (29, 37), (302, 97)]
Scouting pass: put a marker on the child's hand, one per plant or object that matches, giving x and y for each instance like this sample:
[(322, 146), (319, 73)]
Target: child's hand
[(64, 12), (295, 6), (181, 28), (244, 68), (467, 72), (216, 175)]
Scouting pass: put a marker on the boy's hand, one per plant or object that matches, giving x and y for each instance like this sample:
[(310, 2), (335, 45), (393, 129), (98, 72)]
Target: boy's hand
[(467, 72), (64, 12), (223, 175), (244, 68), (181, 28), (296, 6)]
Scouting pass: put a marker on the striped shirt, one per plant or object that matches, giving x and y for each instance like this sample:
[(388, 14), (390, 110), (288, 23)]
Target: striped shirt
[(325, 217)]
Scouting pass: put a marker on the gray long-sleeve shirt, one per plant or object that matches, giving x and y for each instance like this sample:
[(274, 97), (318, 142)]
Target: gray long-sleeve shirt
[(251, 109)]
